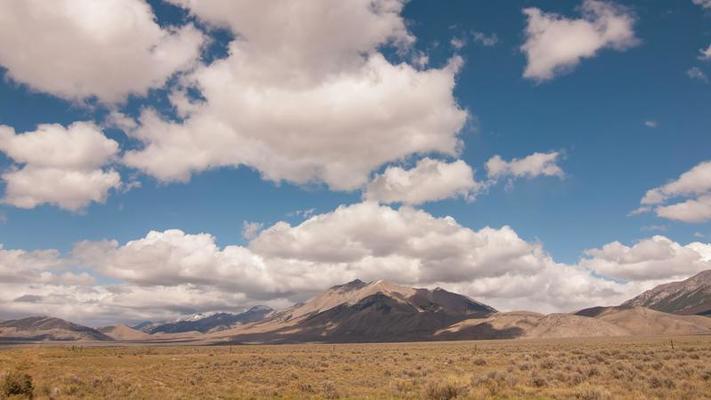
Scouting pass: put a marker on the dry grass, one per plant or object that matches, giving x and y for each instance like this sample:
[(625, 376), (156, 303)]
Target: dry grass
[(597, 369)]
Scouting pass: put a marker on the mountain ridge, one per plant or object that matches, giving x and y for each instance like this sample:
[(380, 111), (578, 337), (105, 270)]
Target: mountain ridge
[(691, 296), (381, 311), (41, 328)]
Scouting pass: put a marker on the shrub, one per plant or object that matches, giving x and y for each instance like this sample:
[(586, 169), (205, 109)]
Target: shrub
[(16, 383), (592, 393), (329, 391), (443, 391), (538, 381)]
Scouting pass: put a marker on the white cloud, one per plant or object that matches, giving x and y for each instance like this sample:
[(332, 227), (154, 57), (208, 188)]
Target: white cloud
[(458, 43), (555, 44), (305, 213), (697, 74), (107, 305), (429, 180), (484, 39), (693, 211), (531, 166), (21, 265), (654, 258), (651, 123), (79, 49), (58, 165), (250, 230), (172, 272), (705, 53), (305, 98), (695, 183), (703, 3)]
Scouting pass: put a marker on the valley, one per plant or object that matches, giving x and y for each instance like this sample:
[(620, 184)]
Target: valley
[(594, 368)]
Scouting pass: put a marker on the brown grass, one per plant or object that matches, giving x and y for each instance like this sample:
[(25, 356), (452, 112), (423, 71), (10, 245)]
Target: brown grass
[(593, 369)]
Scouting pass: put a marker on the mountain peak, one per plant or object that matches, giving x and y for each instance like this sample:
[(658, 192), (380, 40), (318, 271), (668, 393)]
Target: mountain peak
[(352, 285)]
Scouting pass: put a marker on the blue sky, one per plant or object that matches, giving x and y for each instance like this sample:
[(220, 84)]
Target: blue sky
[(625, 119)]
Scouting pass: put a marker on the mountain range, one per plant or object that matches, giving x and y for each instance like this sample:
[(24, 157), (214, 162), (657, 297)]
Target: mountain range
[(381, 311), (205, 322)]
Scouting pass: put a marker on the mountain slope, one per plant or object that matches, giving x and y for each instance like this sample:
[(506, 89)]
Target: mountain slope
[(217, 321), (641, 321), (691, 296), (524, 324), (47, 328), (364, 312), (123, 332)]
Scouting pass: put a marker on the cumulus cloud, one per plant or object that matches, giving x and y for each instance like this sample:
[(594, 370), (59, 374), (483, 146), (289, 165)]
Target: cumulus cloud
[(172, 258), (305, 98), (694, 184), (555, 44), (429, 180), (106, 305), (171, 272), (80, 49), (250, 230), (531, 166), (703, 3), (655, 258), (58, 165), (693, 210), (21, 265)]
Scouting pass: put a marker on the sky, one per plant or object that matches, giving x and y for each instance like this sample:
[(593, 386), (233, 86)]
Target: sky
[(168, 157)]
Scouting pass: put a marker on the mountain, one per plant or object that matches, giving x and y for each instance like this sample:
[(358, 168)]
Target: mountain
[(47, 328), (124, 333), (208, 322), (641, 321), (364, 312), (688, 297), (146, 326)]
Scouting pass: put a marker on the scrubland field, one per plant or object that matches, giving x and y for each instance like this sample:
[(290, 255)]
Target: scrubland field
[(517, 369)]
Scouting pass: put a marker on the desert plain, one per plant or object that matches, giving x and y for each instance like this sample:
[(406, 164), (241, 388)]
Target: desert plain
[(587, 369)]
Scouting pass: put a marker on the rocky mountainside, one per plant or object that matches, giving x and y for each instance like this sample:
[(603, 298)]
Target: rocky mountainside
[(365, 312), (47, 328), (688, 297), (207, 323)]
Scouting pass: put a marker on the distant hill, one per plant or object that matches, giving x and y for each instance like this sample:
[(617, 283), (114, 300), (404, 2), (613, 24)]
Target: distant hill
[(365, 312), (688, 297), (47, 328), (526, 324), (592, 322), (207, 323), (642, 321), (123, 332)]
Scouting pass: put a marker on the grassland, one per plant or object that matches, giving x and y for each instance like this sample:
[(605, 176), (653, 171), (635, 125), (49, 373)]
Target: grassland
[(540, 369)]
